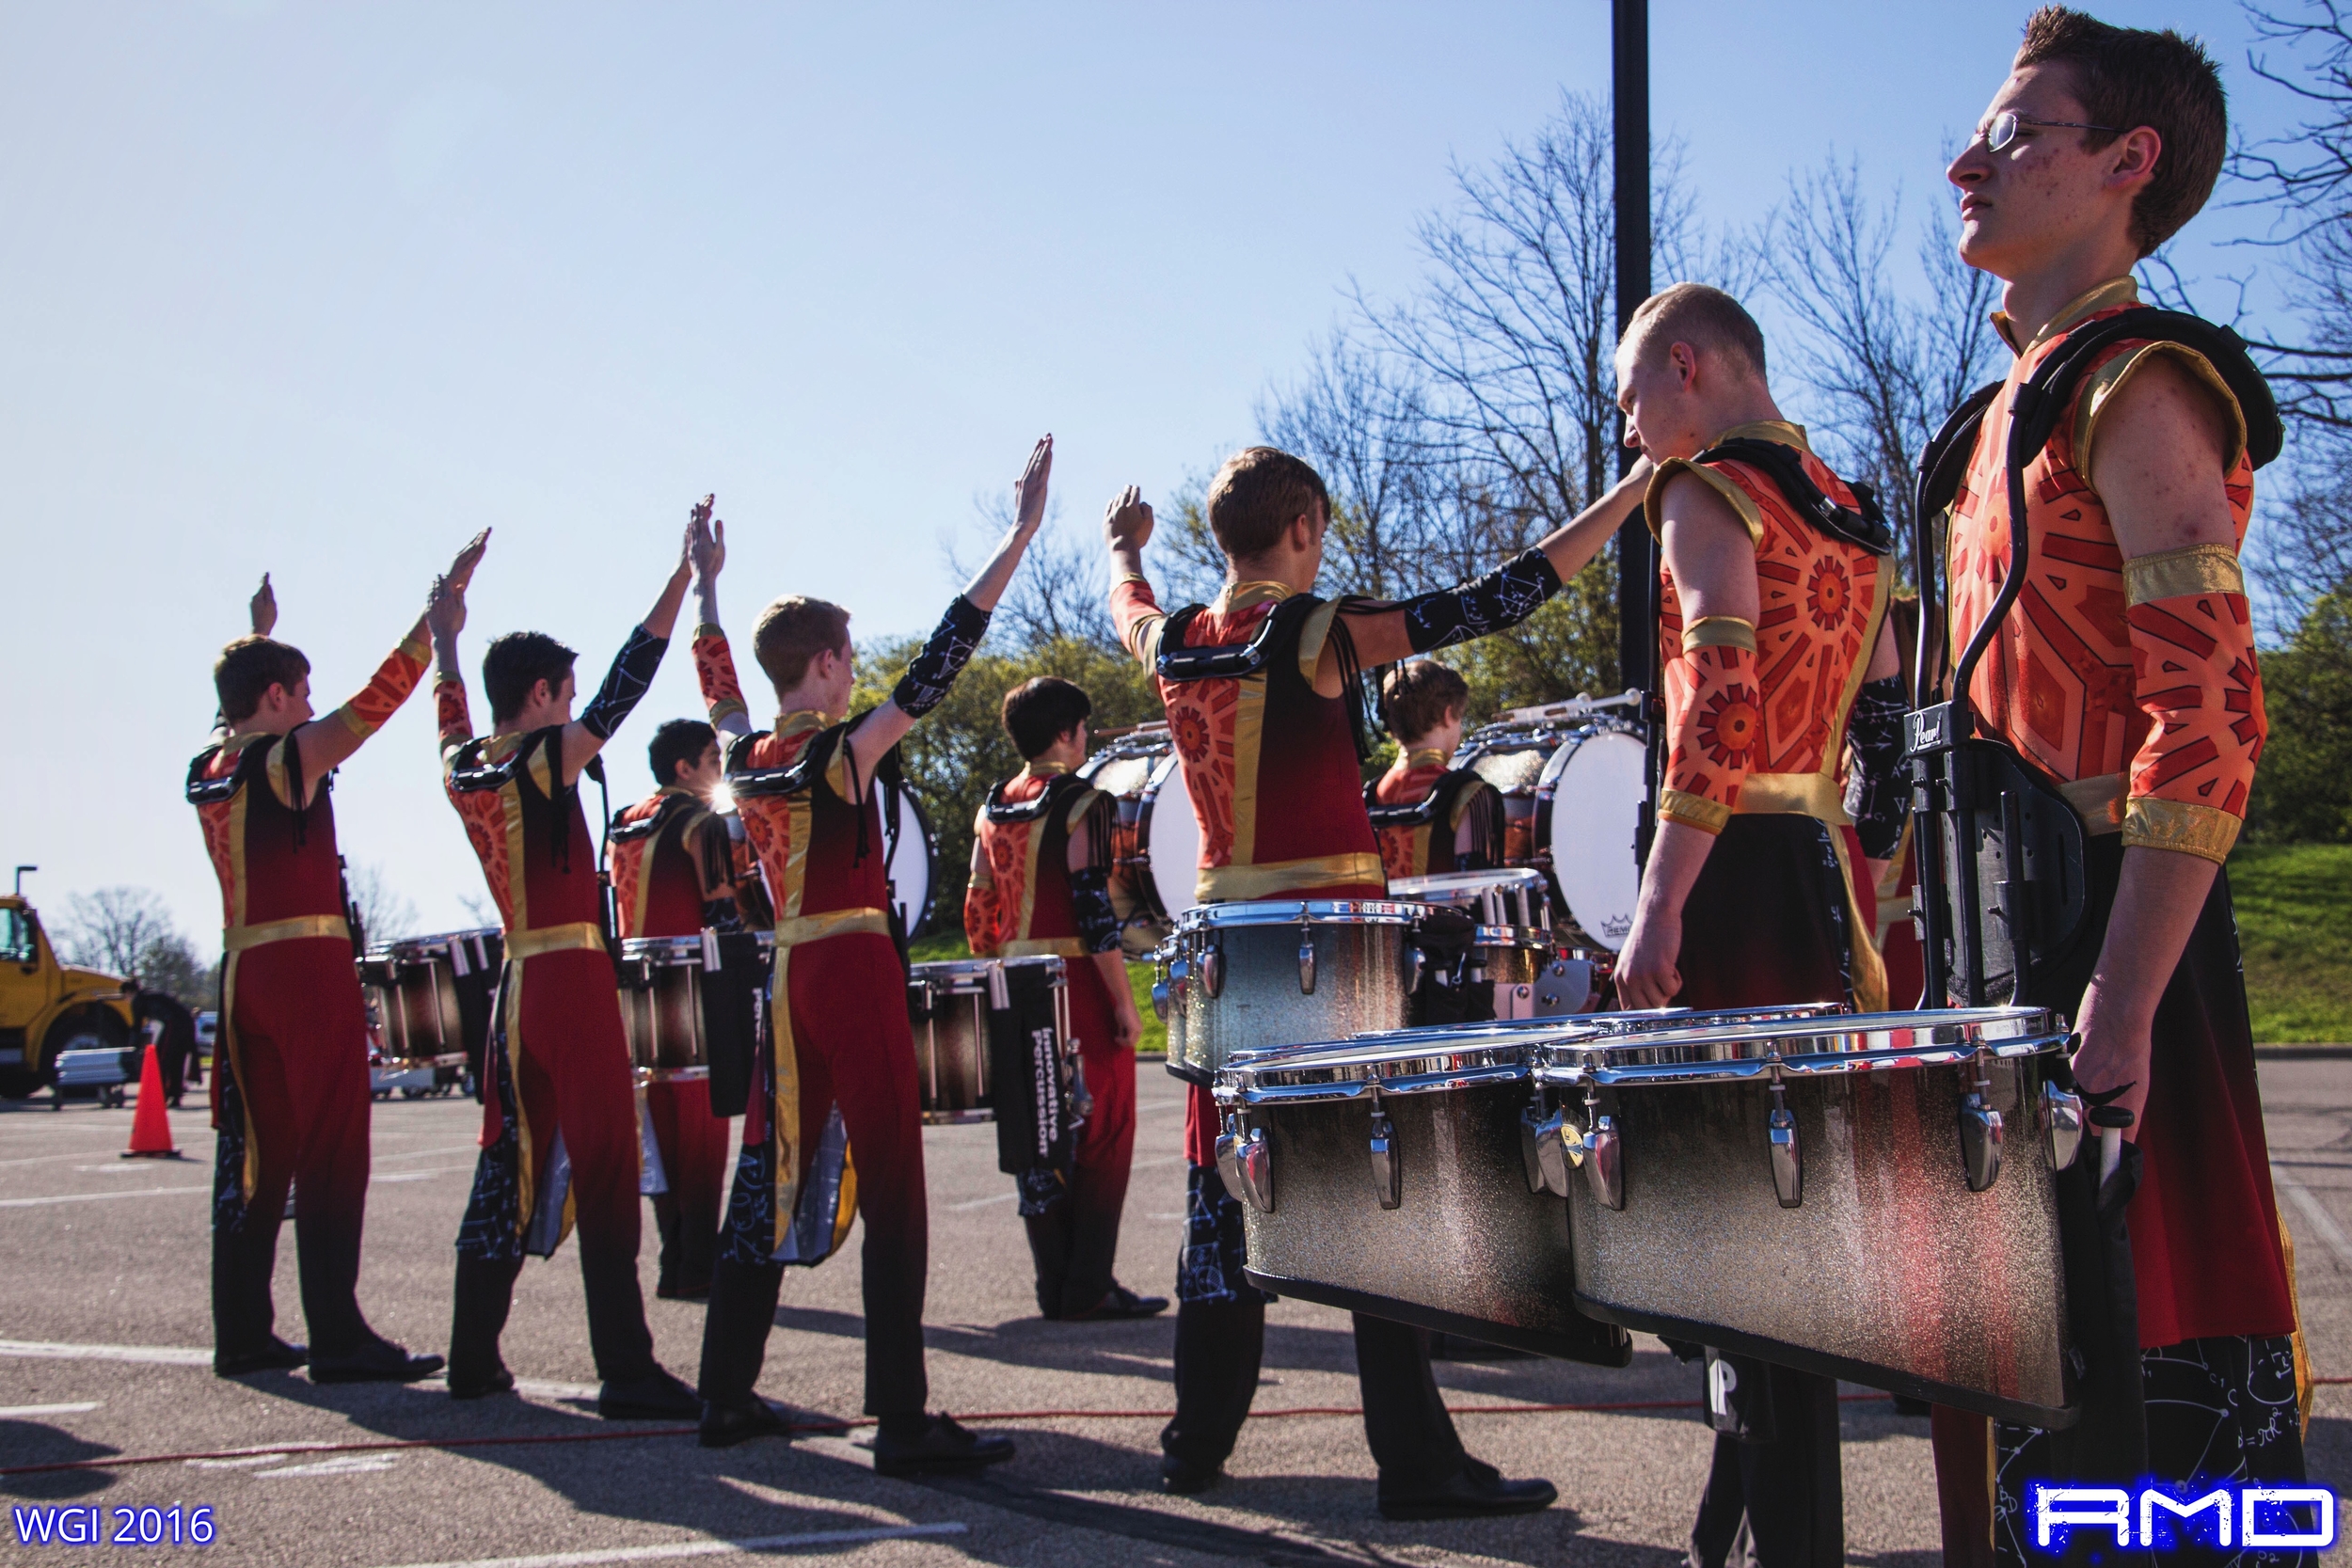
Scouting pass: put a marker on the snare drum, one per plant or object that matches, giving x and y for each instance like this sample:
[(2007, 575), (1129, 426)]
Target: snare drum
[(1383, 1175), (432, 997), (1155, 844), (683, 1004), (959, 1064), (1246, 975), (1869, 1196)]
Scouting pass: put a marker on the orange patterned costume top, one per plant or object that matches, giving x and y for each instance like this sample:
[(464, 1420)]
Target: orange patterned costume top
[(1451, 803), (1019, 903), (1756, 714), (2131, 682), (1266, 830)]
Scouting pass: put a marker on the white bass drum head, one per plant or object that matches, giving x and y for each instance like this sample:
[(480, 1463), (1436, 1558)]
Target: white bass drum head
[(911, 851), (1598, 787), (1170, 838)]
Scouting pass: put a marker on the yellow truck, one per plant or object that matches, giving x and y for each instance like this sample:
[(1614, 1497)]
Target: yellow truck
[(47, 1008)]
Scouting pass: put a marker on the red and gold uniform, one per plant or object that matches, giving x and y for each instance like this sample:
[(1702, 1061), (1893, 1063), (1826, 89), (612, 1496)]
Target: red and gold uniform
[(290, 1092), (560, 1141), (1755, 724), (1457, 829), (1020, 904), (2132, 686), (1271, 767), (672, 875), (838, 1063), (1784, 910)]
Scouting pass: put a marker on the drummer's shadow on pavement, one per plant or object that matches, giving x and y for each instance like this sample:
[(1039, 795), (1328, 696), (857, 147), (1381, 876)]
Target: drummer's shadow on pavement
[(659, 1480)]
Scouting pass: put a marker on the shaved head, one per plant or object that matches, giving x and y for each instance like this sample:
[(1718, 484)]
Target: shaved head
[(1709, 320)]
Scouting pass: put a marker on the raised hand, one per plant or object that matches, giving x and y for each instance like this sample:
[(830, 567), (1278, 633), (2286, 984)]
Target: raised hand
[(707, 541), (461, 569), (1127, 521), (264, 607), (445, 607), (1030, 491)]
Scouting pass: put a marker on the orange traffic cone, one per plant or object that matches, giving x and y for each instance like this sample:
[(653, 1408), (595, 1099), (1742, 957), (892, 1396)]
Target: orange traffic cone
[(150, 1127)]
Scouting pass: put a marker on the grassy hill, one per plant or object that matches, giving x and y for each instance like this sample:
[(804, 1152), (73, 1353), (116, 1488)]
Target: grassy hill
[(2295, 926)]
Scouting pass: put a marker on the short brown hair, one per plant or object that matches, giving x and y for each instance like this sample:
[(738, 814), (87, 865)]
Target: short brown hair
[(514, 665), (1257, 493), (247, 668), (2128, 77), (793, 631), (1707, 318), (1418, 696), (1039, 712)]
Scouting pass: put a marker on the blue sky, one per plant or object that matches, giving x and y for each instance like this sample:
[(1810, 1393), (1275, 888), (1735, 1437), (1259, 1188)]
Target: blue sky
[(322, 290)]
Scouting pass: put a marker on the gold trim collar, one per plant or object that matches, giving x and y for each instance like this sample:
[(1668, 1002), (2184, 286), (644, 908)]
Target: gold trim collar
[(1034, 770), (800, 721), (2104, 296), (1241, 595), (1785, 432)]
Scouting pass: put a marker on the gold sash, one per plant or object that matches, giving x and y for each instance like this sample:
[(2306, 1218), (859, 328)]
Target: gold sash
[(785, 1099), (531, 942), (244, 939)]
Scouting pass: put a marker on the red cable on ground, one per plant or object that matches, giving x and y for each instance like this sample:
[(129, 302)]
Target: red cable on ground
[(292, 1451)]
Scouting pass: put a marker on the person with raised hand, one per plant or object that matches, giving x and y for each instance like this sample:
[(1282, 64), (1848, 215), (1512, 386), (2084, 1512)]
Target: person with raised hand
[(559, 1124), (838, 1064), (291, 1095)]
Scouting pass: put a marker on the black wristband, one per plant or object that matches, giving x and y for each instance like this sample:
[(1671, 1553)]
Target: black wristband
[(1503, 598), (632, 671), (930, 672), (1879, 799), (1098, 923)]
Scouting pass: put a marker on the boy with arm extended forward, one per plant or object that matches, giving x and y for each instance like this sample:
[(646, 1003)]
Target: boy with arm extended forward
[(1287, 738)]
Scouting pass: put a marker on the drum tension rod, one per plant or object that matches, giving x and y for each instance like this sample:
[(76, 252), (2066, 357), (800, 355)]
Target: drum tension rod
[(1981, 1128), (1788, 1154)]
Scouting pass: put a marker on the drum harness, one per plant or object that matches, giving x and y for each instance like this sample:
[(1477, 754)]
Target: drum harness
[(2022, 897), (202, 791)]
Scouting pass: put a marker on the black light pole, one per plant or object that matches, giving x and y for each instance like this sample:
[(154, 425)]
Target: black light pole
[(1629, 94)]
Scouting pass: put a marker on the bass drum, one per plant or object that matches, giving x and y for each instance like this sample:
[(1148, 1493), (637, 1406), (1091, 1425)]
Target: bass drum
[(912, 854), (1511, 757), (1588, 808), (1155, 844)]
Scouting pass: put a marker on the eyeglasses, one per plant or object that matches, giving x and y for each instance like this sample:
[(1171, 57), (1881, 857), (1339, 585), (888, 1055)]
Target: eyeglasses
[(2003, 128)]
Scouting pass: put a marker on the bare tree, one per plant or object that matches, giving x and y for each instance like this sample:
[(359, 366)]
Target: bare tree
[(1885, 369), (115, 928), (385, 913), (1059, 594), (2305, 177)]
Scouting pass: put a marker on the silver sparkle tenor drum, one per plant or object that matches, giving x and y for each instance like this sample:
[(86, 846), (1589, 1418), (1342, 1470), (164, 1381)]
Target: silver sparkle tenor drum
[(1242, 975), (1383, 1175), (1156, 842), (1869, 1196)]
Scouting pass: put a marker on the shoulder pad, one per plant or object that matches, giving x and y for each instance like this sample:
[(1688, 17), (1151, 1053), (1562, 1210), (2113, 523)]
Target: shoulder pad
[(630, 831), (805, 769), (205, 791), (1865, 527), (1005, 812), (1232, 661), (2043, 399)]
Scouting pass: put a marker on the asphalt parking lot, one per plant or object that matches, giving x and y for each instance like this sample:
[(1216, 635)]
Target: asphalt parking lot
[(105, 1333)]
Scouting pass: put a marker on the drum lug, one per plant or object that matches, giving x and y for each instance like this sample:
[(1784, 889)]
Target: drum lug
[(1228, 1153), (1543, 1146), (2062, 1121), (1255, 1157), (1980, 1133), (1787, 1153), (1604, 1161), (1160, 998), (1212, 971), (1415, 962), (1306, 960), (1387, 1162)]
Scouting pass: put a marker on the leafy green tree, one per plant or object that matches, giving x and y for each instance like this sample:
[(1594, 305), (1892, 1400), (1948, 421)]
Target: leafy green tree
[(2303, 789)]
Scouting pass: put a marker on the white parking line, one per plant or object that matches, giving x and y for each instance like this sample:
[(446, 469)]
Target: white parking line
[(704, 1548), (417, 1174), (160, 1355), (16, 1412), (342, 1464), (2313, 1210), (93, 1197)]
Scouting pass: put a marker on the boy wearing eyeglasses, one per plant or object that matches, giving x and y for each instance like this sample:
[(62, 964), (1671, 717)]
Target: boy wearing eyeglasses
[(2125, 674)]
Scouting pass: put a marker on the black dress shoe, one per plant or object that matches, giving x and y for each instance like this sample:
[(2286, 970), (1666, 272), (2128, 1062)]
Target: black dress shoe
[(382, 1362), (277, 1356), (499, 1382), (725, 1425), (944, 1446), (658, 1397), (1182, 1479), (1476, 1491), (1119, 1302)]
